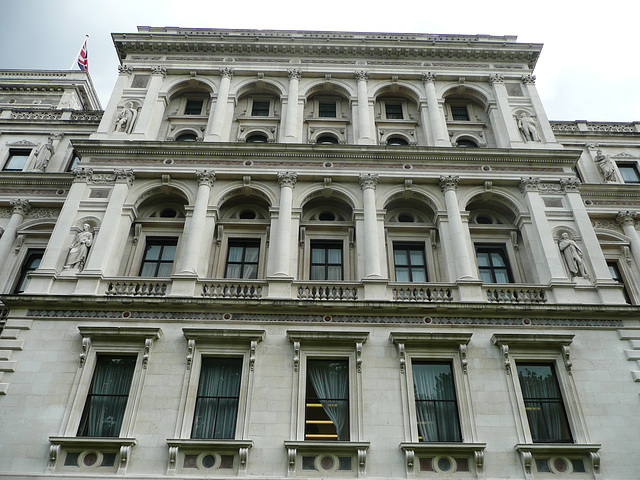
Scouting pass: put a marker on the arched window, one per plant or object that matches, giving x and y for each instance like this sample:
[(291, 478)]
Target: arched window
[(464, 143), (397, 142), (327, 140), (187, 137), (257, 138)]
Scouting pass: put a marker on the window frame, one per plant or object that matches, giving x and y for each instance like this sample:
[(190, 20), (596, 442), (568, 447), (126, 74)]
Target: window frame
[(24, 272), (502, 247), (155, 237), (328, 244), (418, 246), (633, 166), (244, 243), (258, 98), (620, 278), (13, 151)]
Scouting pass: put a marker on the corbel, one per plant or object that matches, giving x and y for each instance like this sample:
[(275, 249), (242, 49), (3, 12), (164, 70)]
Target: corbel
[(125, 453), (627, 254), (291, 452), (362, 461), (243, 454), (252, 354), (403, 357), (54, 453), (463, 357), (514, 240), (173, 457), (137, 232), (296, 356), (86, 344), (479, 459), (527, 459), (409, 456), (166, 179), (595, 462), (359, 356), (505, 357), (408, 184), (147, 348), (566, 357), (19, 243), (191, 348), (488, 185), (219, 237), (433, 236), (327, 182)]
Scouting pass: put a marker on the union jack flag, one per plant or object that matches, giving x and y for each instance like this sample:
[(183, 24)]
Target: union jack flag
[(83, 58)]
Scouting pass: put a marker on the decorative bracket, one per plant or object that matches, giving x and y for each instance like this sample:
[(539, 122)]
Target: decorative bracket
[(463, 357), (359, 356), (292, 460), (566, 356), (409, 456), (362, 461), (191, 348), (243, 454), (505, 357), (86, 344), (479, 458), (252, 354), (403, 357), (296, 359), (147, 348)]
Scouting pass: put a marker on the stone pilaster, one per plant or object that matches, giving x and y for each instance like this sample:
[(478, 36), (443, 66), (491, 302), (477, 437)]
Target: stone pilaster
[(437, 121), (218, 114), (291, 125), (368, 183), (365, 136)]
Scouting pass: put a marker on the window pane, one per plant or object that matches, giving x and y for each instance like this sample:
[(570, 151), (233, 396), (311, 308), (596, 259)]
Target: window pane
[(260, 109), (317, 255), (483, 259), (148, 270), (235, 254), (250, 271), (251, 254), (402, 274), (164, 270), (493, 264), (460, 113), (486, 277), (233, 270), (193, 107), (419, 275), (30, 263), (497, 260), (501, 276), (335, 256), (334, 273), (168, 252), (393, 110), (629, 173), (400, 257), (317, 273), (17, 159), (327, 400), (327, 109), (417, 257), (153, 252)]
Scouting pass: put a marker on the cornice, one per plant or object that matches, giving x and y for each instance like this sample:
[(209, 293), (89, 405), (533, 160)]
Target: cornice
[(21, 179)]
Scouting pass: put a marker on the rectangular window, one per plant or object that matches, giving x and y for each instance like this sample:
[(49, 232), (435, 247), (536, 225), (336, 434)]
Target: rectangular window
[(158, 257), (493, 264), (30, 263), (393, 111), (242, 259), (327, 400), (614, 270), (193, 107), (409, 262), (629, 172), (108, 395), (327, 109), (326, 261), (75, 159), (460, 113), (543, 403), (17, 159), (436, 405), (260, 109), (216, 411)]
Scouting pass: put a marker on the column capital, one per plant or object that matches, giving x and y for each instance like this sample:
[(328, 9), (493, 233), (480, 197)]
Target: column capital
[(287, 179), (125, 70), (529, 184), (124, 176), (368, 180), (362, 75), (82, 174), (449, 182), (226, 72), (528, 79), (496, 78), (19, 206), (428, 77), (206, 177), (294, 73), (570, 184), (626, 218), (159, 70)]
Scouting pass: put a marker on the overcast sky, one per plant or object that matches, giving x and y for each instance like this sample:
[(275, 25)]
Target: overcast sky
[(588, 70)]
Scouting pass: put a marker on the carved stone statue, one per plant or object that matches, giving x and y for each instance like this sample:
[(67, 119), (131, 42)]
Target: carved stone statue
[(79, 249), (126, 119), (572, 256), (45, 152), (606, 167), (527, 126)]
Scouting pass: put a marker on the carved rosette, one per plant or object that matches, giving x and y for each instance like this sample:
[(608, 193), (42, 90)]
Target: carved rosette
[(294, 73), (287, 179), (159, 70), (19, 206), (368, 180), (528, 79), (570, 185), (123, 175), (362, 76), (449, 182), (496, 78), (530, 184), (626, 219), (226, 72), (125, 70), (428, 77), (206, 177)]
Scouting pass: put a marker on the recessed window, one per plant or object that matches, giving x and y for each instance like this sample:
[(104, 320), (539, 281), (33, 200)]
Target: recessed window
[(158, 257), (260, 108), (247, 215), (459, 113), (543, 403), (216, 410), (327, 140), (406, 218), (17, 159), (493, 264), (108, 396), (436, 405), (326, 216), (327, 109), (409, 262), (257, 138), (464, 143), (326, 260), (629, 172), (614, 270), (484, 220), (242, 259), (393, 111), (397, 142), (30, 263), (168, 213), (193, 107), (187, 137), (327, 400)]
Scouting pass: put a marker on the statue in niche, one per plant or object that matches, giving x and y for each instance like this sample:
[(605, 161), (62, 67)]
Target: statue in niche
[(606, 167), (527, 126), (44, 154), (126, 119), (572, 256), (79, 249)]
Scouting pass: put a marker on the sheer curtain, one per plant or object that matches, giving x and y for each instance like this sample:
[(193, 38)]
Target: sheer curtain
[(330, 380), (108, 395), (216, 409), (436, 407)]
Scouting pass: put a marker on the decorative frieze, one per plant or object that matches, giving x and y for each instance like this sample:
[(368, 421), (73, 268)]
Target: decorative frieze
[(530, 184), (120, 175)]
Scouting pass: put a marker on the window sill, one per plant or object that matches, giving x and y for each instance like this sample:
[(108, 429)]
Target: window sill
[(532, 453), (326, 452), (61, 447), (191, 456), (415, 451)]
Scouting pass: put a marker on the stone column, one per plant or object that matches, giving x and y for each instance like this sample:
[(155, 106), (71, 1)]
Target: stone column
[(282, 256), (148, 117), (101, 254), (106, 124), (217, 122), (627, 221), (291, 125), (368, 184), (449, 185), (545, 127), (436, 116), (194, 229), (496, 80), (364, 122), (19, 209)]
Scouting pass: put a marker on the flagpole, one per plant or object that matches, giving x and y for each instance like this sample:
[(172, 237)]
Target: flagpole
[(75, 61)]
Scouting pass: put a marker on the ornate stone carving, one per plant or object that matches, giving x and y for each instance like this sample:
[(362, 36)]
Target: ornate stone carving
[(125, 70), (496, 78), (368, 180), (147, 350), (428, 77), (124, 175), (287, 179), (626, 218), (530, 184), (126, 119), (572, 256), (528, 79), (79, 249), (463, 357), (226, 72), (86, 344), (296, 356), (449, 182), (44, 154), (570, 184), (19, 206), (362, 75), (82, 174), (191, 349), (605, 223), (159, 71), (206, 177), (527, 126), (606, 167), (294, 73)]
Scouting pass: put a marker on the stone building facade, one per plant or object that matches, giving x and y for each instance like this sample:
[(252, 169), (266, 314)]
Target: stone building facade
[(315, 255)]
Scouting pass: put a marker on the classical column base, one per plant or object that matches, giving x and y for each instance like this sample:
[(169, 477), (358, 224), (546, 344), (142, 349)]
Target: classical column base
[(375, 288), (280, 287), (470, 290), (184, 285)]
